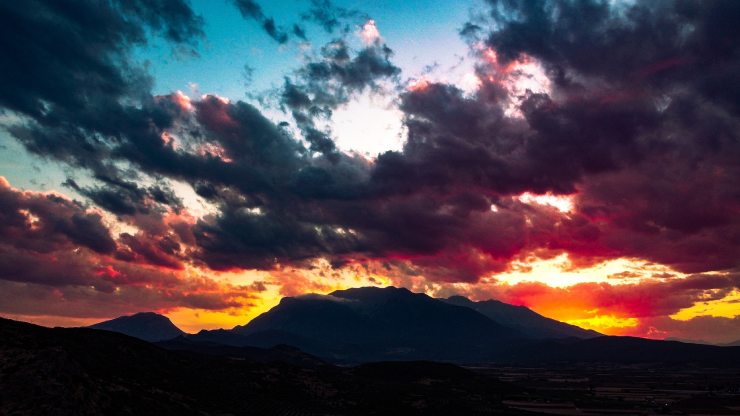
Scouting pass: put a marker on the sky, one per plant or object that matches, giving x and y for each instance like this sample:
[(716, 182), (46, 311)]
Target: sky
[(204, 159)]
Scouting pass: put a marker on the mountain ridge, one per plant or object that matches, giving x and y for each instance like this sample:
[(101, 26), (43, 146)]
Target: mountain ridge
[(523, 319), (377, 323), (394, 324)]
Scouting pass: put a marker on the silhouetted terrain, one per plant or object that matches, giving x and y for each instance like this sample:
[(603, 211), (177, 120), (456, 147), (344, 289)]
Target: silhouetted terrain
[(81, 371), (373, 324), (87, 372), (523, 319), (148, 326)]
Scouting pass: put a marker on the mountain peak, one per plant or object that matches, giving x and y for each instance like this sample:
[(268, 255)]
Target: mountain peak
[(148, 315), (149, 326), (377, 323), (394, 323), (459, 300), (371, 291)]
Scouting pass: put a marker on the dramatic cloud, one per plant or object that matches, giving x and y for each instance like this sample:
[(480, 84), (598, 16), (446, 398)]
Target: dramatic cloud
[(640, 300), (627, 111), (710, 329), (54, 248), (43, 223), (74, 53)]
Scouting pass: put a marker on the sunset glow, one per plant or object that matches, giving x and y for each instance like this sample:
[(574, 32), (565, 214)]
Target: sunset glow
[(206, 160)]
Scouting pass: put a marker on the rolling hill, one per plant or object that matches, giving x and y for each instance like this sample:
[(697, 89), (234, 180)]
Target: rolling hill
[(148, 326)]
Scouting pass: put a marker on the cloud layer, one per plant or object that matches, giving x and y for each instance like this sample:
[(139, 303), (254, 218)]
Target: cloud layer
[(629, 110)]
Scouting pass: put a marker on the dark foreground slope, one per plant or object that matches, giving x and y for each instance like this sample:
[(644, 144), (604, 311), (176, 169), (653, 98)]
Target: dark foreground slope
[(279, 353), (86, 372)]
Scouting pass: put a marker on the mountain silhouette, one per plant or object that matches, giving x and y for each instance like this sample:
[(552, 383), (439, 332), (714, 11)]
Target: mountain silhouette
[(381, 324), (148, 326), (523, 319), (373, 324), (80, 371)]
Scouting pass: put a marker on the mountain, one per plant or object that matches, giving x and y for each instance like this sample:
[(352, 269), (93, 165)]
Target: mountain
[(148, 326), (80, 371), (373, 324), (380, 324), (523, 319)]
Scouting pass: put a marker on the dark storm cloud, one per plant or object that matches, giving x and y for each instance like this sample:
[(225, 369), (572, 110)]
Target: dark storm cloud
[(661, 41), (603, 114), (155, 250), (66, 68), (57, 257), (65, 54), (456, 140), (629, 124), (44, 222), (640, 120), (643, 114), (243, 238), (127, 198)]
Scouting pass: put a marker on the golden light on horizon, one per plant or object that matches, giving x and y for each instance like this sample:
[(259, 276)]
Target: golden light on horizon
[(604, 323), (560, 271), (727, 307)]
